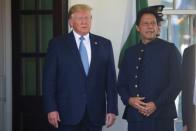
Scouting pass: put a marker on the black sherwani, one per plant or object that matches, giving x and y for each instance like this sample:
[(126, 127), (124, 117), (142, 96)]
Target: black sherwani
[(152, 71)]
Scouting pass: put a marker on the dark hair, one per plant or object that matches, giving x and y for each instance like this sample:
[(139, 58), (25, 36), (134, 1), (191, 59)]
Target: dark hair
[(144, 11), (155, 10)]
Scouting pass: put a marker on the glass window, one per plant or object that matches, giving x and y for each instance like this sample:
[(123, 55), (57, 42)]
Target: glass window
[(175, 4), (45, 31), (164, 28), (186, 4), (28, 77), (27, 4), (168, 3), (180, 31), (28, 33), (31, 79), (45, 4), (36, 4), (32, 39)]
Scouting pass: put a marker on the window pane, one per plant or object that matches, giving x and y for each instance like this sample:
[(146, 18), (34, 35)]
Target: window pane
[(185, 4), (180, 31), (36, 4), (164, 28), (45, 4), (28, 76), (46, 31), (28, 33), (27, 4), (167, 3), (180, 4)]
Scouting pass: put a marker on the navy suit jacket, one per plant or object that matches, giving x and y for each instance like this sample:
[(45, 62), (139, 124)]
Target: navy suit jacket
[(158, 78), (69, 91), (188, 70)]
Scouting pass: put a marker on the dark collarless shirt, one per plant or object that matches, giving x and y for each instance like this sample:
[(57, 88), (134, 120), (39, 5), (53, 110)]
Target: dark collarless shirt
[(152, 71)]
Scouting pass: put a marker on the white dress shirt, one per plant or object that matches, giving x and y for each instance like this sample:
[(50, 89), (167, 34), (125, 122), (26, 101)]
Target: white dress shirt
[(86, 42)]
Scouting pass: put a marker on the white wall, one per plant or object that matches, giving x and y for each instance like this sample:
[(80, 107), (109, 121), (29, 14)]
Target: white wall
[(108, 21)]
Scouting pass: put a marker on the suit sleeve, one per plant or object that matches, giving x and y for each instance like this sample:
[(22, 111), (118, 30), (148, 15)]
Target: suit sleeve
[(172, 90), (49, 78), (111, 91), (123, 80)]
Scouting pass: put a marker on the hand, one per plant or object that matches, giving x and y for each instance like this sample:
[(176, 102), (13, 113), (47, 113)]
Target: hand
[(149, 109), (185, 128), (53, 118), (110, 119), (137, 103)]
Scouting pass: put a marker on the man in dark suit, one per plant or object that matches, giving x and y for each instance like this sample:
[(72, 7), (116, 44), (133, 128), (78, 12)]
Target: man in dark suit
[(149, 78), (188, 74), (79, 80)]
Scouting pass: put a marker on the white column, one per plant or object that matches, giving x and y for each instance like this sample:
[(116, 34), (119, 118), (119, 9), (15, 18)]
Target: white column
[(5, 66), (1, 69)]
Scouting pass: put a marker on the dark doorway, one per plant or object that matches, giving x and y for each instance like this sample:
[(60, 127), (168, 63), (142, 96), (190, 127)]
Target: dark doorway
[(34, 23)]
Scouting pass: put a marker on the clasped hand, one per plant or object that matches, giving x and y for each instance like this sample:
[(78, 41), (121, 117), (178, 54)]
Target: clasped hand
[(145, 108)]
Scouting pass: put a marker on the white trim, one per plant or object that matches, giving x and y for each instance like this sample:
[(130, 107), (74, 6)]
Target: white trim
[(174, 4), (8, 67), (191, 27), (179, 12), (2, 85), (169, 29)]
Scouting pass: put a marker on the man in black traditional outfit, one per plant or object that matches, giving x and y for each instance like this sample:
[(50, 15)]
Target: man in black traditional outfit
[(149, 78)]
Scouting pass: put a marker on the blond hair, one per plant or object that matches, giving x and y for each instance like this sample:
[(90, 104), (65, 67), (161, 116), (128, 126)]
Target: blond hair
[(77, 8)]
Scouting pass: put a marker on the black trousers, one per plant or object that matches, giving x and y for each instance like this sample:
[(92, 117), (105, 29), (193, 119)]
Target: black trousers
[(152, 125), (84, 125)]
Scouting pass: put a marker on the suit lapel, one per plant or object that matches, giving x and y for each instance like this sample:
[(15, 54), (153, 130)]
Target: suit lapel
[(75, 52), (76, 55), (94, 45)]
